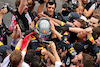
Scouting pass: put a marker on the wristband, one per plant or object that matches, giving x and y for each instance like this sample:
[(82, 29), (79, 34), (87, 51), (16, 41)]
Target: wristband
[(17, 48)]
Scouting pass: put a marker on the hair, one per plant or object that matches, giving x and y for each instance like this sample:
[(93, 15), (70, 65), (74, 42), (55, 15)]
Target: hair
[(17, 3), (16, 57), (83, 23), (96, 32), (88, 60), (49, 4), (29, 55), (65, 5), (96, 12), (36, 61), (78, 47), (97, 17)]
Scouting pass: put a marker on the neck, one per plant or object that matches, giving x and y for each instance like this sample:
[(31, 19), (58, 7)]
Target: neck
[(20, 65)]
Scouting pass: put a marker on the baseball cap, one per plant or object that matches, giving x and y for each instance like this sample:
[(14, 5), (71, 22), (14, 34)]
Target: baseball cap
[(73, 15), (3, 53)]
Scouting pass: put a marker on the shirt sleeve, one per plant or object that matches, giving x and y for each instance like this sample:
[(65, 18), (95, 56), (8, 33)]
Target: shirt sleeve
[(58, 64), (23, 53), (93, 6), (93, 45)]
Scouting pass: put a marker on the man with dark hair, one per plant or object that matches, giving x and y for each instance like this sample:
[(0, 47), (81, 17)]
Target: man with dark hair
[(29, 55), (50, 9), (83, 60), (94, 21), (36, 61)]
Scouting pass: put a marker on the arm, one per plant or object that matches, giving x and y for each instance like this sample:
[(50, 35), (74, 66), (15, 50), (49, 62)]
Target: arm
[(19, 44), (53, 48), (75, 30), (91, 42), (88, 13), (41, 6), (46, 52), (55, 32)]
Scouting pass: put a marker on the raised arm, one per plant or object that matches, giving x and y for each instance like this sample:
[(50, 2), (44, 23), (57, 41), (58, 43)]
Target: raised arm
[(41, 6)]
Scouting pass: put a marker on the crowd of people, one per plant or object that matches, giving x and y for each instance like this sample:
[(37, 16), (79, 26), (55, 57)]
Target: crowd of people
[(46, 38)]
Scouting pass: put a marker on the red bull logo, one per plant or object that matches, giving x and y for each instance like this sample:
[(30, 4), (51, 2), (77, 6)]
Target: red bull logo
[(44, 31)]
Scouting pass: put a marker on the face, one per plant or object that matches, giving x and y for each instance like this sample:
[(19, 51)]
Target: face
[(81, 9), (93, 22), (98, 41), (82, 34), (26, 8), (76, 24), (50, 9), (85, 1), (76, 59)]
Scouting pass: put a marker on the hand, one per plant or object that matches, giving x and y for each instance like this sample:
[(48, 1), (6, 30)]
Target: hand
[(3, 11), (32, 25), (17, 28), (89, 30), (52, 26), (52, 45), (42, 15), (44, 51)]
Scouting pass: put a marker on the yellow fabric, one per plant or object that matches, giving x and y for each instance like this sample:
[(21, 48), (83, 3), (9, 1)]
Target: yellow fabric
[(1, 43), (92, 40), (71, 49), (62, 23), (65, 33), (37, 24), (40, 47), (34, 38)]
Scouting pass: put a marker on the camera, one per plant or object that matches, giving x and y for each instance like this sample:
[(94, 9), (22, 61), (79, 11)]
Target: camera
[(9, 8), (69, 8)]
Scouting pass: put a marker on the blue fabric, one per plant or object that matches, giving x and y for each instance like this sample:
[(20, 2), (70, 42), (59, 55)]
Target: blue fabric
[(3, 49)]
